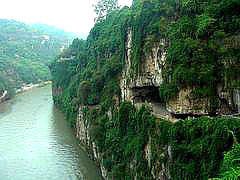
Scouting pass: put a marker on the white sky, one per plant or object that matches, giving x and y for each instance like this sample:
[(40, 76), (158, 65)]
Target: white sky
[(71, 15)]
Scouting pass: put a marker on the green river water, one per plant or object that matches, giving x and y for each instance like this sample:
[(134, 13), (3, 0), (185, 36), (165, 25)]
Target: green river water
[(36, 142)]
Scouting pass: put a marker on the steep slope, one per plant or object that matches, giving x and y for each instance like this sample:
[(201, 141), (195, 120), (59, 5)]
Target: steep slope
[(25, 53), (177, 62)]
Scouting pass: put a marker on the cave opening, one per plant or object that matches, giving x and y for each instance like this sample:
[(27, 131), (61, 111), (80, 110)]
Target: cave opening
[(149, 94)]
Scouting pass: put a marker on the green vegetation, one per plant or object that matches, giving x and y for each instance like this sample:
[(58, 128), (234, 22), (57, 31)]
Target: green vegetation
[(197, 145), (231, 166), (104, 7), (121, 139), (91, 76), (6, 85), (204, 48), (149, 21), (26, 51), (201, 38)]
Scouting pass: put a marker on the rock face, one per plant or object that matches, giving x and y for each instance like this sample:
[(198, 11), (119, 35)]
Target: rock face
[(150, 74), (236, 99), (139, 89), (159, 170), (83, 134), (229, 99), (184, 103), (82, 128), (143, 87)]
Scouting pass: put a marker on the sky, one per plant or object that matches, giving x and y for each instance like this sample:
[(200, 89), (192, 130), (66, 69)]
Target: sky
[(71, 15)]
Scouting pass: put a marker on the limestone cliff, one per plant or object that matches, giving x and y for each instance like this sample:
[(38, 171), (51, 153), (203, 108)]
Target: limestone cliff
[(148, 89), (159, 170), (140, 89), (83, 134), (143, 89)]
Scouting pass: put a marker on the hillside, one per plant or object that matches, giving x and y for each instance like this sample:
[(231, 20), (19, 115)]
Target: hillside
[(26, 51), (154, 91)]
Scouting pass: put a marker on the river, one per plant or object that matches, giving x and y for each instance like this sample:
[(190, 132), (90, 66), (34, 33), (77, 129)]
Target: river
[(36, 142)]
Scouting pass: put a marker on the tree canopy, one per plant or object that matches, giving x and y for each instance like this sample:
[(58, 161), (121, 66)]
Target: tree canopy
[(104, 7)]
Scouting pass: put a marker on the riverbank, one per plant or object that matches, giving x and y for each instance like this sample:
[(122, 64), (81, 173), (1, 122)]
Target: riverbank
[(26, 87)]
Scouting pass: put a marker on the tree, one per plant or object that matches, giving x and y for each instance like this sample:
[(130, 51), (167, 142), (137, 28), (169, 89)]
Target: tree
[(104, 7)]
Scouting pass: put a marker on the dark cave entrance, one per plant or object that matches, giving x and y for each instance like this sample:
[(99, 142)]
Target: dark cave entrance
[(146, 94), (150, 95)]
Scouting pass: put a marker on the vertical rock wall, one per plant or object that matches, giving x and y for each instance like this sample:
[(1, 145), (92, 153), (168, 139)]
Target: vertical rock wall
[(236, 99), (83, 135), (143, 88), (139, 89)]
